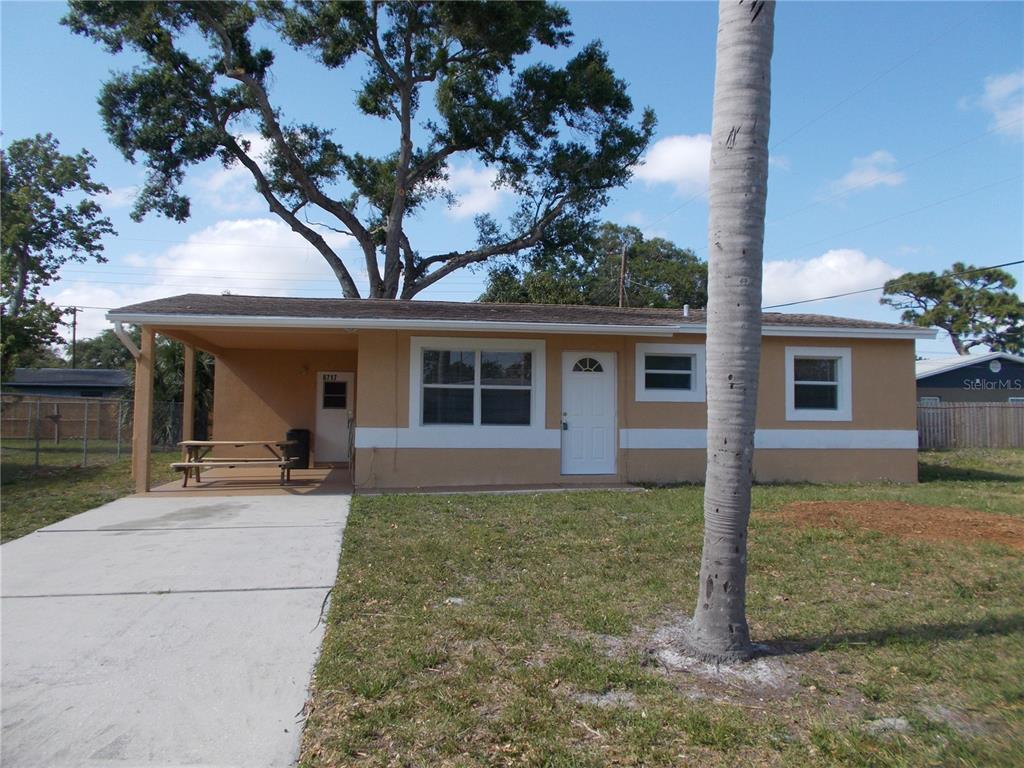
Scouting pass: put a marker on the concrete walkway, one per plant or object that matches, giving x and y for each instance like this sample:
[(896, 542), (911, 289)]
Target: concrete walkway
[(166, 631)]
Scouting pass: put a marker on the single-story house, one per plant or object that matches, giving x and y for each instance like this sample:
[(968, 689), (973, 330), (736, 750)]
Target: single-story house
[(997, 377), (421, 393), (69, 382)]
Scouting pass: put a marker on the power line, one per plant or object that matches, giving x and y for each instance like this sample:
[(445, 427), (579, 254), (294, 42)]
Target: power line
[(825, 113), (882, 287), (633, 281), (863, 185), (904, 213), (869, 83), (207, 275)]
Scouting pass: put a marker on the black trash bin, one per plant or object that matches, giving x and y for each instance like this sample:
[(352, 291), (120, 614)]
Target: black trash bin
[(299, 451)]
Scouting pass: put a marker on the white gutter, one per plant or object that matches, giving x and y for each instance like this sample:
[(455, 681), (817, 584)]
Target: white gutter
[(125, 339), (491, 326)]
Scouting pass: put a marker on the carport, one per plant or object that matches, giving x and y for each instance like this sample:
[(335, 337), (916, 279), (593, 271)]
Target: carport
[(267, 381)]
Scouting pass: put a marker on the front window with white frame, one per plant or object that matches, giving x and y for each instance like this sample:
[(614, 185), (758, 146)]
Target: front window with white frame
[(819, 384), (476, 382), (670, 373)]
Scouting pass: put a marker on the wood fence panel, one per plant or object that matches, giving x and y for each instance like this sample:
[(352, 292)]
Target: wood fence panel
[(947, 426)]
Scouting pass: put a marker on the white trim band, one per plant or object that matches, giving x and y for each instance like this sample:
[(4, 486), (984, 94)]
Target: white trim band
[(657, 439), (836, 439), (664, 438), (770, 439), (458, 437)]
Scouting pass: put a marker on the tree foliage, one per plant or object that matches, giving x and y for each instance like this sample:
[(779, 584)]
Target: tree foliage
[(976, 307), (105, 350), (50, 217), (559, 138), (26, 340), (658, 273)]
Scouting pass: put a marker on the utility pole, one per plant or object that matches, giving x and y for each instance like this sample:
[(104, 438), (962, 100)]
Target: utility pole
[(622, 276), (74, 337)]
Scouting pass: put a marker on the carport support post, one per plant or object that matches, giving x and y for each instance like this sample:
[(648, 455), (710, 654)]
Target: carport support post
[(188, 397), (142, 419)]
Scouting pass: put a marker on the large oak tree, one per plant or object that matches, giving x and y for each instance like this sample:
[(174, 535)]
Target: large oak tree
[(559, 138)]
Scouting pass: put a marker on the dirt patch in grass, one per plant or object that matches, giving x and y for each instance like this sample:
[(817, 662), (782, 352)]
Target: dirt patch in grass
[(910, 521)]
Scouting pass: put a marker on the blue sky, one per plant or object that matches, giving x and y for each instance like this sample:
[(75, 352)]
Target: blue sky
[(896, 145)]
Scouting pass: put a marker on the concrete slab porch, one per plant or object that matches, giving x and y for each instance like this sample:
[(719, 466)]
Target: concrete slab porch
[(166, 630), (262, 481)]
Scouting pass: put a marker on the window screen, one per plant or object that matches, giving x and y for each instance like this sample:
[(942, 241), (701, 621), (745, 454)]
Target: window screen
[(506, 380), (816, 383), (668, 371), (460, 384)]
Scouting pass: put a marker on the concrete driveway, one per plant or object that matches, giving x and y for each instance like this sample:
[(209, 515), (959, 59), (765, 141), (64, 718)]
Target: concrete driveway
[(166, 631)]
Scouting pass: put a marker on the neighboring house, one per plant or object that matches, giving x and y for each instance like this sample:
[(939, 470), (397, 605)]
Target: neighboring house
[(997, 377), (68, 382), (459, 394)]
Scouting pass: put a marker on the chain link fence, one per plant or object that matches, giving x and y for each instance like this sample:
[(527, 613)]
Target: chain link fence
[(41, 432)]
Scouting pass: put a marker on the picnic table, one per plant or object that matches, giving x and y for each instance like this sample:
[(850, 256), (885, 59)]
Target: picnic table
[(197, 457)]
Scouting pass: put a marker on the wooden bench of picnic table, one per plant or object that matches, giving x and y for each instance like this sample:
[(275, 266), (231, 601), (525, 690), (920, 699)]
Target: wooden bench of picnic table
[(196, 458)]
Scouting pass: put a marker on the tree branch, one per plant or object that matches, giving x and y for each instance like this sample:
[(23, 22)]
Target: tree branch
[(430, 162), (309, 187), (457, 260), (348, 285)]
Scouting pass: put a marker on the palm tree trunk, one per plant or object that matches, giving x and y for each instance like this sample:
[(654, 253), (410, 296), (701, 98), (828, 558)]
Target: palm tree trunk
[(739, 181)]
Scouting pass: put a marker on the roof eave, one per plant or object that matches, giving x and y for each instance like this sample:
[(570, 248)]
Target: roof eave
[(969, 360), (492, 326), (372, 323)]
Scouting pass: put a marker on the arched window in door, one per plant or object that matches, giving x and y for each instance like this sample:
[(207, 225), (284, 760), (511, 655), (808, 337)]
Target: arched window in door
[(587, 365)]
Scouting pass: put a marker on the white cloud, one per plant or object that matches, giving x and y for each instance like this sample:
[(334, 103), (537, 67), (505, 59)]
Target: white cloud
[(1004, 100), (118, 197), (474, 188), (232, 189), (683, 161), (870, 171), (836, 271), (257, 256)]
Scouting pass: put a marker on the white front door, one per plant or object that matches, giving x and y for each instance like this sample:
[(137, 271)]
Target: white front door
[(335, 406), (588, 413)]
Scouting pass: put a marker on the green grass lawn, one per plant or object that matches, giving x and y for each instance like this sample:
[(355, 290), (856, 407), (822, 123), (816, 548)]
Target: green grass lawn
[(514, 630), (60, 487)]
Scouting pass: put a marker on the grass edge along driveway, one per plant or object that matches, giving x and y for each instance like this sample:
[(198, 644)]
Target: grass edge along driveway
[(35, 498), (513, 630)]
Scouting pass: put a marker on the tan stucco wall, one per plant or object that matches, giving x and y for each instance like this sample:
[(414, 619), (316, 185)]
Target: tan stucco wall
[(426, 467), (382, 377), (779, 465), (884, 389), (261, 394), (835, 466)]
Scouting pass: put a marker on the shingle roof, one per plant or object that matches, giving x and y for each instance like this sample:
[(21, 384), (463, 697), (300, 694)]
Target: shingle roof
[(194, 304), (71, 377)]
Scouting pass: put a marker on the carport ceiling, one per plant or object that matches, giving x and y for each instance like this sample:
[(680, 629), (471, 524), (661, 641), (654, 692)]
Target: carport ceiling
[(214, 339)]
